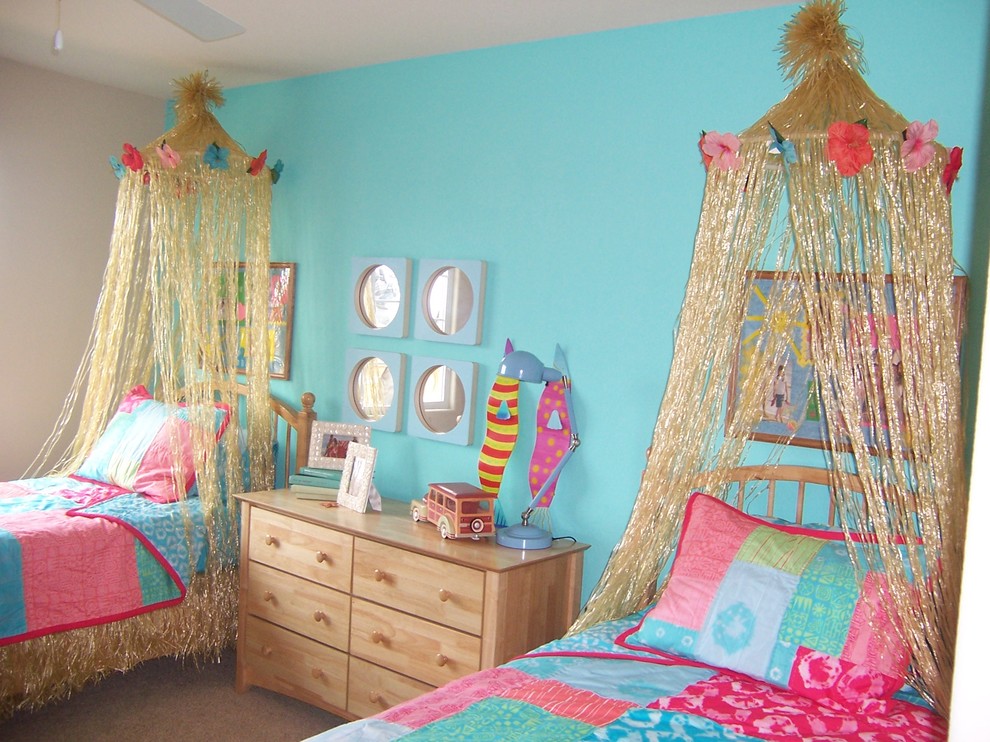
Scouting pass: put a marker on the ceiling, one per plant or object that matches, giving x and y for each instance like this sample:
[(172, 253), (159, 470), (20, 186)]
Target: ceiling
[(123, 44)]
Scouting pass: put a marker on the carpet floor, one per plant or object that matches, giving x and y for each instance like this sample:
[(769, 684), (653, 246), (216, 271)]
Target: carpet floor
[(168, 700)]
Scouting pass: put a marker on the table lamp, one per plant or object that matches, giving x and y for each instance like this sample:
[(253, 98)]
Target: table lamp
[(556, 438)]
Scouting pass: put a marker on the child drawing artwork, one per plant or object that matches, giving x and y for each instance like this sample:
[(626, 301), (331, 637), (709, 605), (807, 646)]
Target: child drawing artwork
[(897, 369)]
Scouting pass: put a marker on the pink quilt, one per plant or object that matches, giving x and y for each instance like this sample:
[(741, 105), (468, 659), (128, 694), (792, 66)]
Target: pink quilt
[(75, 553)]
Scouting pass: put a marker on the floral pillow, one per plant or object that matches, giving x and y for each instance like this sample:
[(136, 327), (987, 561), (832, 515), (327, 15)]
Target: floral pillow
[(135, 451), (776, 603)]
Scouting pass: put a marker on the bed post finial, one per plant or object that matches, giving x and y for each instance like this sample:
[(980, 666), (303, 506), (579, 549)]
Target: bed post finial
[(308, 400)]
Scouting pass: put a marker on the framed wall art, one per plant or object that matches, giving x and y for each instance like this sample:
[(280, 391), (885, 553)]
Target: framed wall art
[(796, 418), (790, 406), (281, 303), (329, 443), (355, 481)]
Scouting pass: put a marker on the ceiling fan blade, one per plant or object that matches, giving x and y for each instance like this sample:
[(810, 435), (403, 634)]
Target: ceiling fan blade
[(201, 21)]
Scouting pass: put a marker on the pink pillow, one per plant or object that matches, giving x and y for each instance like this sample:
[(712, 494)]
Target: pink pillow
[(135, 451), (776, 603)]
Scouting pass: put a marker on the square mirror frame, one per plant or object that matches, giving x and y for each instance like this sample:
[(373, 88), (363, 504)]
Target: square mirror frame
[(462, 433), (391, 421), (470, 332), (399, 326)]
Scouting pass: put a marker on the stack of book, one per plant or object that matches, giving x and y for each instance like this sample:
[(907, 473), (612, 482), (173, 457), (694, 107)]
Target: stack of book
[(315, 484)]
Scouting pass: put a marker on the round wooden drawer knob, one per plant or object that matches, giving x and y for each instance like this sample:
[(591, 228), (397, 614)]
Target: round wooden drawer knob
[(271, 540), (374, 696), (321, 616), (379, 575), (444, 595), (441, 660), (377, 637), (317, 673), (321, 556), (269, 596), (266, 651)]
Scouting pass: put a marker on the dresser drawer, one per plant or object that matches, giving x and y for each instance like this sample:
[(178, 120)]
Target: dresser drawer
[(372, 689), (440, 591), (424, 650), (318, 612), (288, 663), (300, 548)]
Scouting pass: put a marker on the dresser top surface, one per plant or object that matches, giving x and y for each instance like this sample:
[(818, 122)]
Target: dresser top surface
[(394, 526)]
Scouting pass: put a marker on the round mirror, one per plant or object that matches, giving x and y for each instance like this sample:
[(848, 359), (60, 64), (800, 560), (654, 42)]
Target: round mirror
[(439, 399), (372, 389), (449, 300), (378, 296)]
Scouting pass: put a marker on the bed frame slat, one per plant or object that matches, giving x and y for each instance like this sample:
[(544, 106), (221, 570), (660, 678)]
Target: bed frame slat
[(746, 477)]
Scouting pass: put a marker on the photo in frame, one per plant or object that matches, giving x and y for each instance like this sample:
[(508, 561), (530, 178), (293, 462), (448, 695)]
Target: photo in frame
[(790, 407), (355, 481), (330, 443), (281, 303)]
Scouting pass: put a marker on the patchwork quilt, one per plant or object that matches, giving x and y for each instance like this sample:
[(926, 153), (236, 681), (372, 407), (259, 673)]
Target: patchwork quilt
[(76, 553), (589, 687)]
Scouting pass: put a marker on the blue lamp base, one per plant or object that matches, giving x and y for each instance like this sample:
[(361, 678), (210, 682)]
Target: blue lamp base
[(522, 536)]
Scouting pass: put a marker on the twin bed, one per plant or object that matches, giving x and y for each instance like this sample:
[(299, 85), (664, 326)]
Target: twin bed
[(763, 631), (107, 567)]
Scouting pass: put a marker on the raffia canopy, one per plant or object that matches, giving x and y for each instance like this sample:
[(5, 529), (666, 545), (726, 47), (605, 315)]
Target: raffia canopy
[(196, 127), (191, 206), (826, 66), (848, 206)]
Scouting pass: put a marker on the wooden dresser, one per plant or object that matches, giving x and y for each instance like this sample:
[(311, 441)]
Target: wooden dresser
[(356, 612)]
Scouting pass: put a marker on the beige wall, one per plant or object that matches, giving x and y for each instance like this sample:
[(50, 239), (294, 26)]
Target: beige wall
[(57, 198)]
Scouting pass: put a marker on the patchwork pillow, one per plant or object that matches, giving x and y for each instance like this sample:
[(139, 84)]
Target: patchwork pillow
[(135, 451), (776, 603)]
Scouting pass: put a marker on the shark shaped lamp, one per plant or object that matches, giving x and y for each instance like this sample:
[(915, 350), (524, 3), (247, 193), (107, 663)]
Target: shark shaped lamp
[(556, 438)]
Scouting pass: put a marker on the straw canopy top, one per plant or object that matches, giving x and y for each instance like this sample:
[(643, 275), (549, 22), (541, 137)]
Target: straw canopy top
[(196, 127), (827, 65)]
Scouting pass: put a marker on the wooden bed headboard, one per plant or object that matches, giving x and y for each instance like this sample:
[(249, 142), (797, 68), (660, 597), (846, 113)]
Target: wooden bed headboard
[(298, 422), (795, 479)]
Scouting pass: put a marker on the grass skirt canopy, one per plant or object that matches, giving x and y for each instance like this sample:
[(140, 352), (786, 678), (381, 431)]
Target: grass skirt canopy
[(175, 311), (848, 206), (193, 210)]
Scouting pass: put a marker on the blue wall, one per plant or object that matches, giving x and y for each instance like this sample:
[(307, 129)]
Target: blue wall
[(571, 167)]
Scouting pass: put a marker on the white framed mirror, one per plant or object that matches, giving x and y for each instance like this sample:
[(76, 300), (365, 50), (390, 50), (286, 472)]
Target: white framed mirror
[(373, 390), (380, 296), (442, 404), (451, 301)]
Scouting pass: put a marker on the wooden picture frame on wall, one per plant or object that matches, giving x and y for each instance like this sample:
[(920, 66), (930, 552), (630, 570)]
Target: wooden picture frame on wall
[(799, 422), (281, 307)]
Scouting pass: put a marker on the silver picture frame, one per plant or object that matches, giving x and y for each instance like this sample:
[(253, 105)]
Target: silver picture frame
[(355, 481), (330, 441)]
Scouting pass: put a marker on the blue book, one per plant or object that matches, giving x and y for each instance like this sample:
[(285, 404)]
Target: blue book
[(312, 471), (314, 481)]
